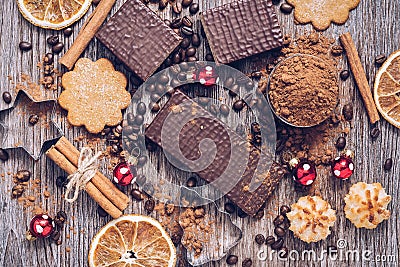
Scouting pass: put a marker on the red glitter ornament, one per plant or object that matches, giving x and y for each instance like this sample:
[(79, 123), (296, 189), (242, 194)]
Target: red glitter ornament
[(41, 226), (123, 175), (206, 75), (304, 171), (343, 166)]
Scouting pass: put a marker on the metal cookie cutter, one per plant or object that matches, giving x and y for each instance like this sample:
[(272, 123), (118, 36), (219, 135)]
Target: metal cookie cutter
[(221, 236), (17, 125)]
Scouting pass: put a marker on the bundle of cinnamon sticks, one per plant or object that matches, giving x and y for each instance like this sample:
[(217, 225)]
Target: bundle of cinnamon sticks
[(100, 188)]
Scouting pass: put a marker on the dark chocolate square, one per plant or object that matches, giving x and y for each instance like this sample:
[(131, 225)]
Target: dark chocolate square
[(139, 38), (241, 29)]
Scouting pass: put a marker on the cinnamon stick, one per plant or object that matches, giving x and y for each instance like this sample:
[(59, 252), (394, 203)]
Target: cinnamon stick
[(360, 76), (118, 198), (93, 192), (87, 33)]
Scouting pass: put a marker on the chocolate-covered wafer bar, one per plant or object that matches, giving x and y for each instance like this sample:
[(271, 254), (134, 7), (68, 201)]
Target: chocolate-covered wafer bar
[(228, 161), (139, 38), (241, 29)]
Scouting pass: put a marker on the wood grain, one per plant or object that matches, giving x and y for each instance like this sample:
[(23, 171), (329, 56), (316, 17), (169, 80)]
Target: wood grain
[(375, 28)]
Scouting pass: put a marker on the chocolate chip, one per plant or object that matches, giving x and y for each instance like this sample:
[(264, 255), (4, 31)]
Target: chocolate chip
[(230, 207), (284, 209), (33, 119), (279, 231), (61, 181), (224, 110), (286, 8), (344, 75), (269, 240), (388, 164), (176, 235), (7, 98), (341, 143), (57, 48), (375, 132), (238, 105), (260, 239), (149, 205), (3, 155), (232, 259), (25, 46), (141, 180), (68, 31), (194, 8), (137, 194), (101, 212), (380, 59), (278, 244), (191, 182), (23, 176), (347, 111), (52, 40), (247, 262)]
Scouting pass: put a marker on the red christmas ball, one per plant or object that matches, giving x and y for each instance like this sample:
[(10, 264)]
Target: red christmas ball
[(41, 226), (123, 174), (304, 171), (343, 166), (206, 75)]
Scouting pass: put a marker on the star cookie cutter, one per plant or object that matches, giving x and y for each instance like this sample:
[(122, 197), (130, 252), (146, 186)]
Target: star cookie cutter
[(223, 234), (17, 132)]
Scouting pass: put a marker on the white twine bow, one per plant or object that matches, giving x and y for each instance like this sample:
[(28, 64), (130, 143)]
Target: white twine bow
[(86, 171)]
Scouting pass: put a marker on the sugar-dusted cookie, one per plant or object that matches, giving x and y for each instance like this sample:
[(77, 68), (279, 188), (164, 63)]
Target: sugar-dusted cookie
[(366, 205), (94, 94), (322, 12)]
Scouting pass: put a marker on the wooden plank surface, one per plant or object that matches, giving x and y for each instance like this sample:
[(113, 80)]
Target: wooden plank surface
[(375, 27)]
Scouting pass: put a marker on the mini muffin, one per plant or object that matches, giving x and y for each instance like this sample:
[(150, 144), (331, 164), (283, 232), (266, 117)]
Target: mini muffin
[(311, 218), (366, 205)]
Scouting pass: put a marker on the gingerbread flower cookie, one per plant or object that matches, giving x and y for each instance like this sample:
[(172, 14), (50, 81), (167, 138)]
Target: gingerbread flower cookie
[(322, 12), (94, 94), (366, 205), (311, 218)]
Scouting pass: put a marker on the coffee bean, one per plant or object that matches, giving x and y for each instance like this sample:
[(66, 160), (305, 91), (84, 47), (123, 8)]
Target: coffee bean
[(191, 182), (278, 244), (149, 205), (101, 212), (177, 7), (278, 220), (336, 50), (141, 180), (141, 161), (154, 107), (176, 58), (283, 252), (196, 40), (137, 194), (55, 235), (209, 57), (241, 213), (375, 132), (247, 262), (224, 109), (388, 164), (192, 59), (48, 59), (23, 176), (229, 207), (162, 4), (7, 98), (139, 119), (380, 59), (286, 8), (52, 40), (279, 231), (61, 181), (3, 155), (187, 31), (57, 48), (341, 143), (68, 31), (25, 46), (194, 8), (186, 3), (187, 21), (284, 209), (347, 111), (260, 239), (191, 51), (176, 23), (269, 240), (141, 108), (344, 75), (232, 259), (238, 105), (185, 43)]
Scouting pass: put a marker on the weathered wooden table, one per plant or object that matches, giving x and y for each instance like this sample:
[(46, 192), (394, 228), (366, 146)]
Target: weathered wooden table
[(375, 28)]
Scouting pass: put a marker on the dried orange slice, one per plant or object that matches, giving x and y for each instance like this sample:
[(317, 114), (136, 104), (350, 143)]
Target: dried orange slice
[(387, 89), (132, 241), (53, 14)]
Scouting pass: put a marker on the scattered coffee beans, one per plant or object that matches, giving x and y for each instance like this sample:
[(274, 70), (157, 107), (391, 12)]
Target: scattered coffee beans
[(3, 155), (279, 231), (284, 209), (186, 3), (279, 220), (347, 111), (270, 240), (230, 207), (48, 59), (224, 110), (17, 191), (23, 176), (341, 143), (278, 244), (149, 205), (232, 259), (57, 48), (68, 31), (380, 59), (247, 262), (33, 119), (260, 239), (60, 218), (52, 40), (25, 46), (7, 97), (286, 8), (194, 8), (238, 105), (344, 75), (388, 164), (137, 194)]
